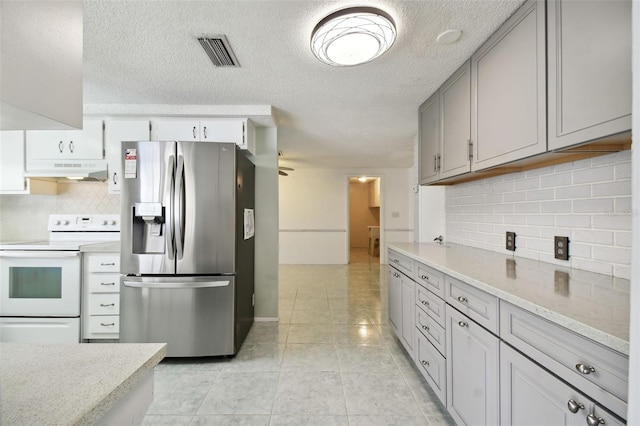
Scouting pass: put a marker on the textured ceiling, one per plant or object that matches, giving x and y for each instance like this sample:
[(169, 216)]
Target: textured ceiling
[(146, 53)]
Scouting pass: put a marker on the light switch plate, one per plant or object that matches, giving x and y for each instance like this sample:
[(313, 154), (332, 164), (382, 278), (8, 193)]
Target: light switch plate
[(561, 248), (510, 243)]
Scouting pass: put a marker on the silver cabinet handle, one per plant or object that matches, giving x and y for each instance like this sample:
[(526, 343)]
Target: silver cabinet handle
[(424, 302), (585, 369), (205, 132), (424, 327), (107, 264), (462, 324), (592, 420), (462, 299), (397, 275), (425, 363), (71, 147), (60, 147), (107, 283), (115, 178), (574, 406), (424, 277), (395, 261), (194, 132), (108, 325), (104, 305)]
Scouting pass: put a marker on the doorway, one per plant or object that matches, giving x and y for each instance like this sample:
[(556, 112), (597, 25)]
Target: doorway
[(364, 220)]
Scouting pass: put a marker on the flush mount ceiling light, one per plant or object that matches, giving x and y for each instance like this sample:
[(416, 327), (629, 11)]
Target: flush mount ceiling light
[(353, 36)]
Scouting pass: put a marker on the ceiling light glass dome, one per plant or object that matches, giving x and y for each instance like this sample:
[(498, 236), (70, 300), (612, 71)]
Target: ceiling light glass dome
[(353, 36)]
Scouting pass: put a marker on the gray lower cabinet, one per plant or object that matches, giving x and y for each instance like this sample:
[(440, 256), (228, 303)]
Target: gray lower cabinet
[(408, 315), (394, 284), (472, 371), (529, 395), (432, 365), (508, 90), (589, 54)]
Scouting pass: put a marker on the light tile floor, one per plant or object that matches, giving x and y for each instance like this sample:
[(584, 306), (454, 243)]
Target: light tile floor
[(332, 360)]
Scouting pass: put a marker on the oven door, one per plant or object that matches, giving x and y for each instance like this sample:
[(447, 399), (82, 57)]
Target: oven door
[(39, 283)]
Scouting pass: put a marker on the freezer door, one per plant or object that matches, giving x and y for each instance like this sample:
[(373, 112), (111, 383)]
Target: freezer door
[(193, 315), (146, 200), (205, 208)]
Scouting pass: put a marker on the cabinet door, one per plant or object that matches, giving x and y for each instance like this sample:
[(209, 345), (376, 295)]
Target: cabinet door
[(508, 109), (455, 98), (176, 130), (472, 371), (394, 285), (429, 138), (589, 53), (114, 133), (12, 162), (529, 395), (85, 144), (46, 144), (408, 314), (222, 130)]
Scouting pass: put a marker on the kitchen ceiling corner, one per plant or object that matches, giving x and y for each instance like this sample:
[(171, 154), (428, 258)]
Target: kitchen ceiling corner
[(143, 53)]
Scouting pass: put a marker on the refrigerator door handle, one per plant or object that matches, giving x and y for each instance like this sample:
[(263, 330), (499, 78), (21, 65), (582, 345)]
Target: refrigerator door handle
[(179, 212), (170, 285), (168, 195)]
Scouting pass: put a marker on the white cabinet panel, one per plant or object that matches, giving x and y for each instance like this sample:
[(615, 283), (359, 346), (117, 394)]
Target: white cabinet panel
[(176, 130), (508, 114), (85, 144), (114, 133), (408, 315), (12, 162)]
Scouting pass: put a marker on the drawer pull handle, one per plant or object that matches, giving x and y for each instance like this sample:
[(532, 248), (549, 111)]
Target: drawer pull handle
[(397, 275), (425, 363), (462, 324), (107, 283), (424, 302), (107, 264), (104, 305), (592, 420), (424, 277), (424, 327), (111, 324), (574, 406), (585, 369), (462, 299), (60, 146), (396, 261)]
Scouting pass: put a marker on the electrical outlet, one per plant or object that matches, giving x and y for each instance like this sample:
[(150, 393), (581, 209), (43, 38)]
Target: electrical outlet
[(561, 248), (511, 241)]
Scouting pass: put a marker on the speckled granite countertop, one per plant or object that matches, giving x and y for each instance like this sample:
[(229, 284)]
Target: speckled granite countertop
[(69, 384), (108, 247), (593, 305)]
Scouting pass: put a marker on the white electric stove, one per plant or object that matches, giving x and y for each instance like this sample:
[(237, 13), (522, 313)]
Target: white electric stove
[(41, 280)]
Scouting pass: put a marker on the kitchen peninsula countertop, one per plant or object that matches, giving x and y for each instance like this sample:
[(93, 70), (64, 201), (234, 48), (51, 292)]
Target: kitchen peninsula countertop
[(594, 305), (107, 247), (70, 384)]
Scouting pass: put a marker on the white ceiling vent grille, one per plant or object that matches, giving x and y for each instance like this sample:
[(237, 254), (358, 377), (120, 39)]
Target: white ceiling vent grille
[(219, 51)]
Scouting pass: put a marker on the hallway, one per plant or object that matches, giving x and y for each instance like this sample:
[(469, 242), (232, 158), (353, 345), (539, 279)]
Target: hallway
[(332, 360)]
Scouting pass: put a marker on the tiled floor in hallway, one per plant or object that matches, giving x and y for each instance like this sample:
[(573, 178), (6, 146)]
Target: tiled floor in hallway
[(332, 360)]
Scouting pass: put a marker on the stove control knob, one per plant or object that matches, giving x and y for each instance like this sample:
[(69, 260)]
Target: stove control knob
[(113, 222), (65, 222), (57, 222), (104, 222)]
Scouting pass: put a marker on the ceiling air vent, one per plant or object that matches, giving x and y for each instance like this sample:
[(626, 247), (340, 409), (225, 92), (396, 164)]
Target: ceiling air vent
[(219, 51)]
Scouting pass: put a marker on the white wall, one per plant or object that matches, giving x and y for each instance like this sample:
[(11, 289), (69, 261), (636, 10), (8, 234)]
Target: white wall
[(314, 213), (588, 201)]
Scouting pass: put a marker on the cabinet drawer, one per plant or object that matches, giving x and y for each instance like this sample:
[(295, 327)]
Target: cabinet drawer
[(430, 278), (104, 324), (433, 367), (431, 304), (585, 364), (104, 283), (104, 304), (474, 303), (400, 262), (433, 331), (104, 263)]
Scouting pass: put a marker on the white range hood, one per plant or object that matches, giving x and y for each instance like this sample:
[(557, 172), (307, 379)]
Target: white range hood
[(70, 169)]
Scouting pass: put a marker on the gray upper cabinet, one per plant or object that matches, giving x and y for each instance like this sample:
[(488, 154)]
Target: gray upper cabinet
[(508, 85), (429, 135), (589, 54), (445, 129)]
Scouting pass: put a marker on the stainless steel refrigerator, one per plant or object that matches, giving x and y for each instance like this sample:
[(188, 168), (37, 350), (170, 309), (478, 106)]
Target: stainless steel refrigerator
[(187, 246)]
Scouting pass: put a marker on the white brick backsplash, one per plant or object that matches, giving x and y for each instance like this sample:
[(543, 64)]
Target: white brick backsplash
[(588, 200)]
